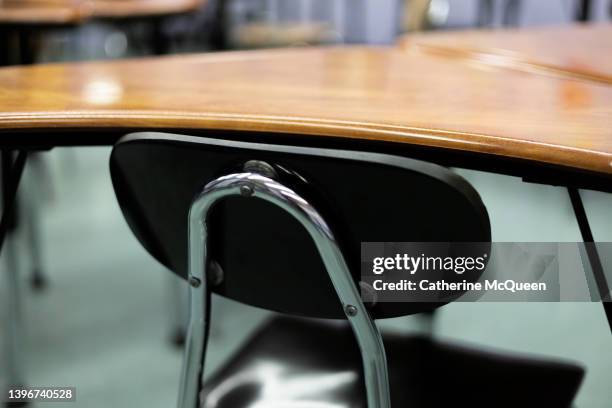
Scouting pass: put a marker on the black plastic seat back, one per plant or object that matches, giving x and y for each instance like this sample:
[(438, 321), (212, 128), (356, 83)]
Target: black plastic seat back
[(268, 259)]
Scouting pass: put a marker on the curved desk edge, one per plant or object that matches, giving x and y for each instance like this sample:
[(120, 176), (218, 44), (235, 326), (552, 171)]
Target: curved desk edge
[(588, 169)]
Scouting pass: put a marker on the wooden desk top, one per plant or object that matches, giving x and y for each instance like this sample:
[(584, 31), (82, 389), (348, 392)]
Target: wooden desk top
[(383, 94), (55, 12), (51, 12), (579, 51), (142, 8)]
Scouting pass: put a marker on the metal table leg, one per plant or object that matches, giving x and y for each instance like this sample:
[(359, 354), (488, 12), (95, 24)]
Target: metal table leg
[(161, 43), (13, 339), (30, 204), (583, 13), (11, 175), (591, 250)]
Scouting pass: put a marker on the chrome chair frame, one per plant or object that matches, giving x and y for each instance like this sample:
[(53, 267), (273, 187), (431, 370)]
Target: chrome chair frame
[(258, 186)]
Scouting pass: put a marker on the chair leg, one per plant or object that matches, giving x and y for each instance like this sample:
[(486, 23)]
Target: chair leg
[(199, 311), (257, 186)]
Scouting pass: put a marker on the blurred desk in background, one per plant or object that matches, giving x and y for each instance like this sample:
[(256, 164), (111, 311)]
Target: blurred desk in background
[(142, 8), (579, 51), (43, 12), (72, 11), (153, 12), (22, 22)]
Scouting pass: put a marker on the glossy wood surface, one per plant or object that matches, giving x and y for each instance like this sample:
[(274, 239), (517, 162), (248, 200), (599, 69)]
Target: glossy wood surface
[(579, 51), (383, 94), (31, 12)]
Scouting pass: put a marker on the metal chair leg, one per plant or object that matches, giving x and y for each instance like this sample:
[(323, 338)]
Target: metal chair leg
[(257, 186)]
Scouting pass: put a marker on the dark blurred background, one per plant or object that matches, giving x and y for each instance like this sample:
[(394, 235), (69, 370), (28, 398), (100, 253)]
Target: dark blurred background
[(200, 25)]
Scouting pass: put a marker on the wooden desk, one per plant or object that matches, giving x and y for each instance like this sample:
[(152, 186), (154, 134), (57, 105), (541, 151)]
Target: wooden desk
[(43, 12), (52, 12), (27, 19), (578, 51), (351, 94), (142, 8)]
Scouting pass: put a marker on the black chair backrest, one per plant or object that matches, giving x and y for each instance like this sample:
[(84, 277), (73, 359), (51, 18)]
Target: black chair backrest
[(268, 259)]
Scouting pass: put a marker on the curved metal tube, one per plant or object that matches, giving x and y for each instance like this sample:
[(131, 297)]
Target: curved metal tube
[(255, 185)]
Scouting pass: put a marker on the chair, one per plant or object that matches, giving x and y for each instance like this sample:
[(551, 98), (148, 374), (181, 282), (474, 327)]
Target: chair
[(280, 227)]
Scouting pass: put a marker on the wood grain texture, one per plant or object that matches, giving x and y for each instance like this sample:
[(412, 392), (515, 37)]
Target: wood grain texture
[(383, 94), (578, 51)]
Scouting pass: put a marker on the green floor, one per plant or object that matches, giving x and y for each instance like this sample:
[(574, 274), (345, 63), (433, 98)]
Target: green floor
[(103, 323)]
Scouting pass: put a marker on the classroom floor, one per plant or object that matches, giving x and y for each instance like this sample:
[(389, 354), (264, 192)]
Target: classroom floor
[(104, 322)]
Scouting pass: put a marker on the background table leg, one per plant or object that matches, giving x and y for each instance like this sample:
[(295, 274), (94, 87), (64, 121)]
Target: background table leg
[(591, 250), (11, 174)]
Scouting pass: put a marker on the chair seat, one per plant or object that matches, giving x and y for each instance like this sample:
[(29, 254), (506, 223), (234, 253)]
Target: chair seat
[(299, 363)]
